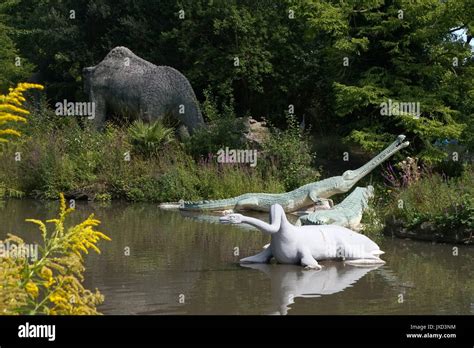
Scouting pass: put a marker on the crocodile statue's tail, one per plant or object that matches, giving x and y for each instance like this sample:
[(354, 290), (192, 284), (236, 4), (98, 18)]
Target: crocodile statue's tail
[(219, 204)]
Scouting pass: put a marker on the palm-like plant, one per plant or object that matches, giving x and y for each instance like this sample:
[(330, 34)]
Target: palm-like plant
[(149, 138)]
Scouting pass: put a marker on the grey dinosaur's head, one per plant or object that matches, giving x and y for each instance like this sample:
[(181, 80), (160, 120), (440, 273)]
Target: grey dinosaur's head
[(231, 219), (367, 192), (350, 177)]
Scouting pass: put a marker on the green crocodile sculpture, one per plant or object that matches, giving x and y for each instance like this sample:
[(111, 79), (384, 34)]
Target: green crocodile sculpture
[(300, 198), (348, 213)]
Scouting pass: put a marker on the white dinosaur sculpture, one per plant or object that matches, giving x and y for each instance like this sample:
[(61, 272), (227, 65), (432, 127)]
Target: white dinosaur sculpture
[(306, 245)]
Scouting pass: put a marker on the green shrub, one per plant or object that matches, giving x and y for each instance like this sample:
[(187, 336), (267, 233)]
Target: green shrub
[(149, 138), (221, 133), (445, 203), (223, 129), (290, 152), (6, 192)]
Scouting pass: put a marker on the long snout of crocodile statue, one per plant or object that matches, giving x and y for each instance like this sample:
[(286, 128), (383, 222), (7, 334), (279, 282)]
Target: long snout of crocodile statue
[(301, 197)]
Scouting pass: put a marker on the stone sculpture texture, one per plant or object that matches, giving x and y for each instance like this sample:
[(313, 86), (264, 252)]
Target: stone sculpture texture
[(130, 86)]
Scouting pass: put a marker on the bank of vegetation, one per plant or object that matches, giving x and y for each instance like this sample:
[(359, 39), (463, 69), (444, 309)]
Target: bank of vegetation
[(414, 201)]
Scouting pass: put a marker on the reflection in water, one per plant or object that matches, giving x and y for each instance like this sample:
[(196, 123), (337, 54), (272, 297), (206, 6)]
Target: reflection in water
[(289, 282), (172, 255)]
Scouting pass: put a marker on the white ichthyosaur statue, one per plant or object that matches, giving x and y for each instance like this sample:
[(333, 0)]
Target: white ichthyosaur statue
[(306, 245)]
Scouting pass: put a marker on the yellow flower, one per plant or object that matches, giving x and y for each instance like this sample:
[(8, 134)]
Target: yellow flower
[(56, 298), (32, 289), (46, 273), (11, 108), (47, 284), (41, 225), (61, 272)]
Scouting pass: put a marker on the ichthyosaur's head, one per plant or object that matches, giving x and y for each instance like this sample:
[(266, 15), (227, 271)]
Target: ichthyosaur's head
[(231, 219)]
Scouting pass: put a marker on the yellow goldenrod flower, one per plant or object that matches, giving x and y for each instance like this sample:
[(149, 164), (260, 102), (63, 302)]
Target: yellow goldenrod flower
[(32, 289), (46, 273), (56, 298), (52, 284), (9, 132), (41, 225), (11, 110)]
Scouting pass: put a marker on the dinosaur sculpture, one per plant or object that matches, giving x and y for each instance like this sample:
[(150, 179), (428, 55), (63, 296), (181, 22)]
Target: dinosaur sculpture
[(300, 198), (126, 83), (348, 213), (306, 245)]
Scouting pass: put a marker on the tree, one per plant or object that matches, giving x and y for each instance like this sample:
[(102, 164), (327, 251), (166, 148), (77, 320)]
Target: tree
[(402, 51), (13, 67)]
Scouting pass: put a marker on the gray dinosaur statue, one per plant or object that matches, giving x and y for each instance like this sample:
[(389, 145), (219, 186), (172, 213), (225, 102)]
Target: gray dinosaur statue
[(129, 85), (348, 213), (300, 198)]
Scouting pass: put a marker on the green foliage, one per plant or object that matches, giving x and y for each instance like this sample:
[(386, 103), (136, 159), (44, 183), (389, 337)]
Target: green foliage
[(290, 151), (372, 224), (222, 130), (250, 58), (6, 192), (251, 47), (13, 67), (405, 51), (447, 204), (149, 139)]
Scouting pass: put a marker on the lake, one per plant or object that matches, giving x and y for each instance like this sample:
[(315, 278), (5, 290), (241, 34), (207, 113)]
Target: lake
[(168, 262)]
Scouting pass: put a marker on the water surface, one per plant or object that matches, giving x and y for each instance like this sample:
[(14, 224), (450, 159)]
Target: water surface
[(165, 262)]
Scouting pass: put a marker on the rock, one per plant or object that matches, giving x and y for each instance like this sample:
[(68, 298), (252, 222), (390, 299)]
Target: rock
[(257, 132)]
